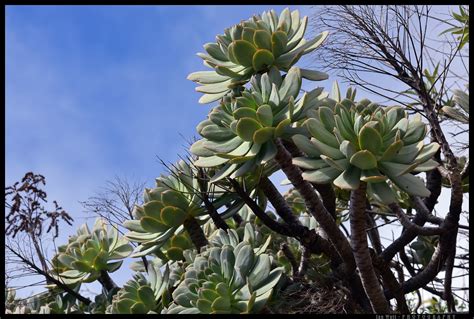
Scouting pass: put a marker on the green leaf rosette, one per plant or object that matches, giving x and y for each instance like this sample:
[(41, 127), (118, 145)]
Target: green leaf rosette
[(353, 142), (234, 276), (254, 46), (239, 133), (90, 252)]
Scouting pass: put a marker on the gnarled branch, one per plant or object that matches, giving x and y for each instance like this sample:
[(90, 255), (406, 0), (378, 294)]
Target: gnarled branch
[(315, 207), (412, 227)]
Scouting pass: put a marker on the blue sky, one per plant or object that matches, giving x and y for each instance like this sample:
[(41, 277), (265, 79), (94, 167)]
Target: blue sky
[(98, 91), (92, 92)]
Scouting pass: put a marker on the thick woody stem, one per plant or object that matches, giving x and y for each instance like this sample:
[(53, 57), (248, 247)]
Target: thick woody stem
[(412, 227), (308, 238), (372, 230), (361, 250), (315, 207), (106, 281), (448, 293), (390, 281), (279, 202), (195, 232), (329, 197), (259, 212), (325, 190), (325, 220), (433, 182)]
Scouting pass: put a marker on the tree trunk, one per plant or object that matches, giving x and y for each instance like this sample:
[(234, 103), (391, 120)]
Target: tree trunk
[(361, 250)]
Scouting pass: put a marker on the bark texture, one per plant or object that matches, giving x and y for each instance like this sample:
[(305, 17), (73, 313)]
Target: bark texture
[(195, 232), (361, 250)]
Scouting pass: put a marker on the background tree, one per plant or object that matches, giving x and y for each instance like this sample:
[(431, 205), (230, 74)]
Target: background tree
[(116, 201), (396, 45), (28, 223), (27, 216)]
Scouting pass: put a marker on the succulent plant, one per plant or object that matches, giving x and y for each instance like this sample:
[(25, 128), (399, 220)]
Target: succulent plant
[(218, 238), (295, 201), (159, 224), (352, 142), (239, 133), (14, 305), (254, 46), (422, 249), (460, 113), (61, 304), (60, 267), (139, 295), (11, 302), (245, 233), (42, 303), (226, 279), (88, 253), (178, 268)]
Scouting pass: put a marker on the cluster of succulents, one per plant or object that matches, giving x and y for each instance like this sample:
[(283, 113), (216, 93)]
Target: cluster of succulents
[(232, 276), (61, 304), (42, 303), (239, 133), (88, 253), (12, 304), (158, 225), (141, 296), (178, 268), (353, 142), (255, 235), (245, 233), (254, 46), (197, 266)]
